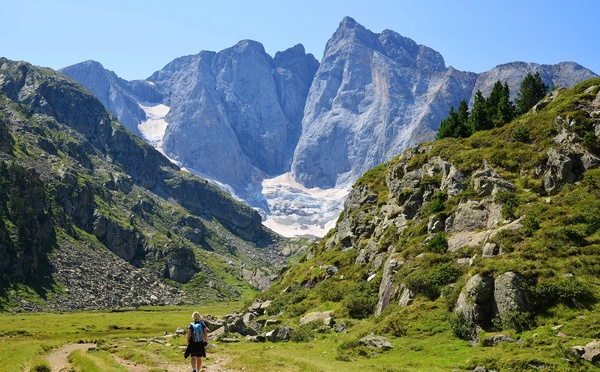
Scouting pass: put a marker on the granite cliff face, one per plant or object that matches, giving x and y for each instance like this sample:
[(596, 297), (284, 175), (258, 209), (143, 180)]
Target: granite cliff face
[(235, 115), (240, 116), (376, 94)]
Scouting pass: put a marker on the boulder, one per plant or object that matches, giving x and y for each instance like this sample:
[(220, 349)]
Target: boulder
[(487, 182), (377, 342), (324, 317), (591, 351), (243, 324), (509, 297), (279, 334), (387, 286), (474, 301), (496, 340), (561, 167), (407, 296)]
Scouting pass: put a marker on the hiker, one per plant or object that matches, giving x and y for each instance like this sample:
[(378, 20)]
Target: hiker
[(197, 338)]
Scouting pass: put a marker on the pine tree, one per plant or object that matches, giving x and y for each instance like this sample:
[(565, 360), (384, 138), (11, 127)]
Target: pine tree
[(505, 111), (448, 125), (532, 91), (457, 123), (479, 120), (463, 130)]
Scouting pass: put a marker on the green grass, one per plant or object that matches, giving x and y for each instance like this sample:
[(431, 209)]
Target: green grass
[(424, 344)]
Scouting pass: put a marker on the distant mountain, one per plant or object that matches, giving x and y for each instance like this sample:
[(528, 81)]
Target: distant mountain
[(93, 217), (240, 117), (376, 94)]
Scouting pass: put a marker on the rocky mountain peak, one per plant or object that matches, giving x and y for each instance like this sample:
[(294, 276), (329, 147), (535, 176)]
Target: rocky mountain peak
[(239, 116)]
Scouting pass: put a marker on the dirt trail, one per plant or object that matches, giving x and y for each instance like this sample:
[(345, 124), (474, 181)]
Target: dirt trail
[(58, 359), (59, 362)]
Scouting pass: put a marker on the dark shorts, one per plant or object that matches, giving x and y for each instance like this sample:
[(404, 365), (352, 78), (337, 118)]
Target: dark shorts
[(197, 349)]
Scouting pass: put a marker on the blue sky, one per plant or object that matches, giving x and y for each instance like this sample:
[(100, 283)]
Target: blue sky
[(135, 38)]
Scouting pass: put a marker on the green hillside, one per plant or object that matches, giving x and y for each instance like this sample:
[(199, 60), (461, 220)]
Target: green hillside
[(464, 239)]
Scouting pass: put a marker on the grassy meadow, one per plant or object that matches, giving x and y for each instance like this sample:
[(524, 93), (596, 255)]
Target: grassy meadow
[(420, 343)]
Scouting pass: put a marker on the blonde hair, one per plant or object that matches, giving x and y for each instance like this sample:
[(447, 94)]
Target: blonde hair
[(196, 316)]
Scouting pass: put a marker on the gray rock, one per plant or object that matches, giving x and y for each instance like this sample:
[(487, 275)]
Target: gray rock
[(474, 301), (258, 278), (490, 250), (592, 351), (377, 342), (561, 168), (487, 182), (257, 338), (387, 286), (279, 334), (324, 317), (406, 297), (509, 297), (496, 340)]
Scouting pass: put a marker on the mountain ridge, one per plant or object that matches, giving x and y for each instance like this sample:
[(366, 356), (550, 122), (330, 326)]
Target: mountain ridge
[(371, 96), (74, 183)]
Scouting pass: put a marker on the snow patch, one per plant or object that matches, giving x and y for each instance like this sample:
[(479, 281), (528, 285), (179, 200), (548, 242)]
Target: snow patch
[(295, 210), (153, 129)]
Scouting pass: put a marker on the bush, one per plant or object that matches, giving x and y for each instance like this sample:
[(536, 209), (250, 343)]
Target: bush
[(461, 327), (438, 200), (510, 202), (565, 290), (521, 134), (430, 283), (303, 333), (438, 244), (519, 321), (41, 366), (361, 299)]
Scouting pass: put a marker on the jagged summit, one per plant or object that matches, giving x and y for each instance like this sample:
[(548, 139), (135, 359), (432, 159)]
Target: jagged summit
[(240, 116)]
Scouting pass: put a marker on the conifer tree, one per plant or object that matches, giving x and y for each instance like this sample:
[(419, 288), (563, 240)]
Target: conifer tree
[(505, 110), (448, 125), (457, 123), (532, 91), (479, 119), (464, 130)]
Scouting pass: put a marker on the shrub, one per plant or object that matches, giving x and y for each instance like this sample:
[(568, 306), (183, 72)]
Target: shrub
[(41, 366), (303, 333), (438, 244), (361, 299), (521, 134), (510, 202), (461, 326), (438, 200), (430, 283), (590, 141), (519, 321)]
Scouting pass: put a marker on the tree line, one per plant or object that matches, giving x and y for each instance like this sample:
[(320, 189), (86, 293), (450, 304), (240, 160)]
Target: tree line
[(495, 110)]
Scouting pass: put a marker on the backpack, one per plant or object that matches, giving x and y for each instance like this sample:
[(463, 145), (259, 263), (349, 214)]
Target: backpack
[(197, 331)]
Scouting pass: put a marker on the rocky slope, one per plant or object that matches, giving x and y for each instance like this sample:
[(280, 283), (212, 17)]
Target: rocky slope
[(492, 239), (92, 217)]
